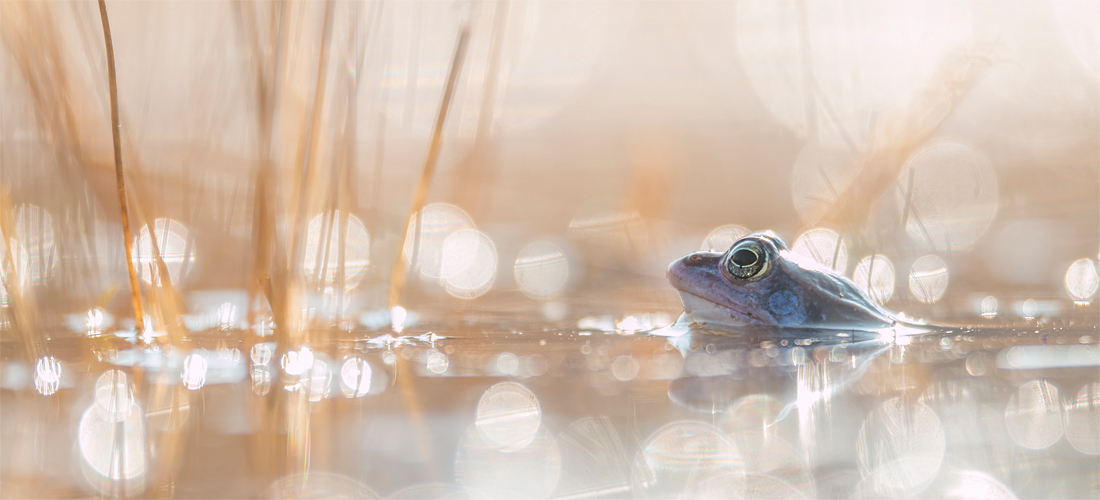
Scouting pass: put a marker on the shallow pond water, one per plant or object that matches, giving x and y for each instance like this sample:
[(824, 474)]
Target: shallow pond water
[(582, 412)]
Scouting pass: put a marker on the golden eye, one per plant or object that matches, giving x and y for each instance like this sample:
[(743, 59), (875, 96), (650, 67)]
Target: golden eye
[(746, 260)]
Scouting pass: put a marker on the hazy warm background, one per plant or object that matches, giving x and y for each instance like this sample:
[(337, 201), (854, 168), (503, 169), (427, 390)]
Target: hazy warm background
[(619, 133)]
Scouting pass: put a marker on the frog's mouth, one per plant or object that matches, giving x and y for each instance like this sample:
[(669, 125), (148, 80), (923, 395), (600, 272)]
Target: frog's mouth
[(705, 311)]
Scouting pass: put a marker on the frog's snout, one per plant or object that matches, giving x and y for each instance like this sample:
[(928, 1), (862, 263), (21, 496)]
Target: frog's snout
[(673, 272), (676, 271), (690, 269)]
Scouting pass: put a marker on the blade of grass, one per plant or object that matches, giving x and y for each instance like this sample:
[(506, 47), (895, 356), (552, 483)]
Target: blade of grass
[(477, 170), (308, 148), (135, 291), (397, 275)]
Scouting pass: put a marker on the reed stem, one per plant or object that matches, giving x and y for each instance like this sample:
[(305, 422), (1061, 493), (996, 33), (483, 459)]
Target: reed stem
[(135, 291), (397, 276)]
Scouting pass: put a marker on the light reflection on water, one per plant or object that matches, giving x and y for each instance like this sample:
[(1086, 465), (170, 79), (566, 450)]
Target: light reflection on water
[(111, 437), (113, 395), (1083, 420), (194, 371), (689, 458), (1034, 415), (988, 306), (113, 451), (971, 484), (486, 470), (508, 416), (900, 448), (694, 416), (594, 460), (47, 375)]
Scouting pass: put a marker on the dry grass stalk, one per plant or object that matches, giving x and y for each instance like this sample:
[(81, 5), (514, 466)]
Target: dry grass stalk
[(267, 56), (30, 33), (477, 168), (344, 181), (162, 293), (397, 275), (31, 36), (307, 159), (26, 314), (291, 332), (135, 291), (904, 135)]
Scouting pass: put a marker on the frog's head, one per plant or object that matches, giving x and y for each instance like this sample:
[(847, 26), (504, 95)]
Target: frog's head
[(759, 282)]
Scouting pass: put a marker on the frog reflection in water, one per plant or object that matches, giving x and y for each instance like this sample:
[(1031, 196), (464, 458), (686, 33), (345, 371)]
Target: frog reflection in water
[(759, 282)]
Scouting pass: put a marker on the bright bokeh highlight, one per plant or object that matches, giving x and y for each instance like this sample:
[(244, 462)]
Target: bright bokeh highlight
[(875, 275), (331, 237), (174, 246), (469, 263), (541, 270), (824, 246), (928, 279)]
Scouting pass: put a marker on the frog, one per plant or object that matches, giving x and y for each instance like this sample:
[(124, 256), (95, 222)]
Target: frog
[(759, 282)]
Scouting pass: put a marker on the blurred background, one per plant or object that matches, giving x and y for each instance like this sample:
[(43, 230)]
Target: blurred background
[(321, 174), (591, 141)]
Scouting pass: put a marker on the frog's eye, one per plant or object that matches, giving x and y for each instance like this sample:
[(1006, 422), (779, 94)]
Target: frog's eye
[(747, 260)]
